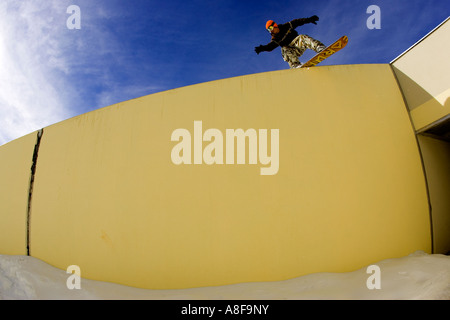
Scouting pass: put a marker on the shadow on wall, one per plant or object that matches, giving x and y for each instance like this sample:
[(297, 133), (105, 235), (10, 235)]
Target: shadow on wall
[(414, 94), (434, 152)]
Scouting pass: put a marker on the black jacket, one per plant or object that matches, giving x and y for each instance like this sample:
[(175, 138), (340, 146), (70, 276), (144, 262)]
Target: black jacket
[(286, 35)]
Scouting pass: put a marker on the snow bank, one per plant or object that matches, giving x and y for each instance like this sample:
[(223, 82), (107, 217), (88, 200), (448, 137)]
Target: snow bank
[(417, 276)]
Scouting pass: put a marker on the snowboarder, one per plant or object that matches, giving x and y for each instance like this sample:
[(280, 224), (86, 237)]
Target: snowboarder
[(292, 44)]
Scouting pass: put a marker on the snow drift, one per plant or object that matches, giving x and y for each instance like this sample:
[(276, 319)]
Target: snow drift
[(417, 276)]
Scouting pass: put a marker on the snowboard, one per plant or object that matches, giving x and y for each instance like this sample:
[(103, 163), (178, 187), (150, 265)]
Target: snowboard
[(328, 51)]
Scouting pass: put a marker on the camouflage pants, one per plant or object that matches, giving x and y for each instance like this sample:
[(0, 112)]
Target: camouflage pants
[(297, 47)]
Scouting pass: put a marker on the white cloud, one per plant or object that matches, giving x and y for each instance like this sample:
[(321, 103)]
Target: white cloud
[(31, 64), (49, 73)]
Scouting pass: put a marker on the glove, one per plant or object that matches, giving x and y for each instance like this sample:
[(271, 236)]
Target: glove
[(258, 49), (313, 19)]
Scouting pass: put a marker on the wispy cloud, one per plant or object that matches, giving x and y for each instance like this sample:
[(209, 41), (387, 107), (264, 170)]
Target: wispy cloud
[(31, 61), (49, 73)]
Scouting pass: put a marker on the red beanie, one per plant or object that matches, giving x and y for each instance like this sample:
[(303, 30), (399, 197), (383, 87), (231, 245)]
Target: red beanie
[(270, 23)]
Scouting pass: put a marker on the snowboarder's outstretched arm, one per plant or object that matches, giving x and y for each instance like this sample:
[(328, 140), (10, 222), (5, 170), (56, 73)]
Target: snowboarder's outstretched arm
[(268, 47), (299, 22)]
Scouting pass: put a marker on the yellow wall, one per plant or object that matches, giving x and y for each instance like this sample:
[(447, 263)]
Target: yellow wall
[(349, 191), (436, 156), (423, 75), (15, 168)]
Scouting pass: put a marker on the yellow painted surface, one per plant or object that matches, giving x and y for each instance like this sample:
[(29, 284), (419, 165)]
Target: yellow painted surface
[(436, 156), (15, 167), (423, 75), (349, 189)]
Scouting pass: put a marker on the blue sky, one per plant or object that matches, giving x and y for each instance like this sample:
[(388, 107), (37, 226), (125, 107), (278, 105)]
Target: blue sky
[(130, 48)]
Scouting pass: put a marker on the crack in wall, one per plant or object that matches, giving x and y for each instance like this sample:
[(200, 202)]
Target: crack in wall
[(30, 186)]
